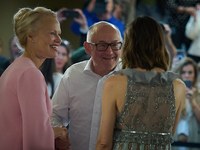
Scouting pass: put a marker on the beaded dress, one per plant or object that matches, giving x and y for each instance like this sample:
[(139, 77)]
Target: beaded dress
[(148, 114)]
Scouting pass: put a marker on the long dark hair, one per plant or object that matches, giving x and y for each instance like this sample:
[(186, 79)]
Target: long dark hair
[(47, 69), (144, 45)]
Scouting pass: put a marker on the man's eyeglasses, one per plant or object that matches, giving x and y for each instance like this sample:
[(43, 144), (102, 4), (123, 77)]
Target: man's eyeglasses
[(104, 46)]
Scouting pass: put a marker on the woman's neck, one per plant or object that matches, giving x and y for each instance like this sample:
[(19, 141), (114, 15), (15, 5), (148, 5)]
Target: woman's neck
[(59, 70), (37, 61)]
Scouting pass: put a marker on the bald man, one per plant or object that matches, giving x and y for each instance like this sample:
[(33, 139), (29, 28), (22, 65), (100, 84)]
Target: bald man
[(77, 101)]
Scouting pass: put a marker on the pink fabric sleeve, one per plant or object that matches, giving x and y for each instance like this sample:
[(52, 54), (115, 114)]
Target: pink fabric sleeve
[(35, 110)]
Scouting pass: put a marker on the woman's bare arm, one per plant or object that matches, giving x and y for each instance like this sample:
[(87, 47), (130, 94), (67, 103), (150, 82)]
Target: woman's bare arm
[(179, 90)]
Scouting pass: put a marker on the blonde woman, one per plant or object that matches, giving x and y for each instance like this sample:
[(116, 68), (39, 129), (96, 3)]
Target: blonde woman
[(188, 129), (25, 106)]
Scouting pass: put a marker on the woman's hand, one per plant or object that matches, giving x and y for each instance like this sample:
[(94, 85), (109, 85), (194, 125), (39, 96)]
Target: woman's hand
[(61, 138), (194, 105), (189, 93)]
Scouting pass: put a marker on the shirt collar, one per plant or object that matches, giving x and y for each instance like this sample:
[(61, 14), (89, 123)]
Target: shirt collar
[(89, 64), (117, 68)]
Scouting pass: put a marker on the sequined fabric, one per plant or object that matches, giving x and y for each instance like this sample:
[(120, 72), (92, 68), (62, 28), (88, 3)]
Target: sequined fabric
[(148, 115)]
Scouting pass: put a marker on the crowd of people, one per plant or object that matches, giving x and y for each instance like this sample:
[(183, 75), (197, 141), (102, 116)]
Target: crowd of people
[(126, 87)]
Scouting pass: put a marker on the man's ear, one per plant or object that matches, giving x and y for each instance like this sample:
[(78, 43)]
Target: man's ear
[(87, 48)]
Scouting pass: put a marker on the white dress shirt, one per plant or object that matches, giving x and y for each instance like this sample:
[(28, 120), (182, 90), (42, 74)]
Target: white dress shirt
[(77, 102)]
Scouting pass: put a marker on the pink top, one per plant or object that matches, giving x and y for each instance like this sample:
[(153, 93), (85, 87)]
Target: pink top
[(25, 108)]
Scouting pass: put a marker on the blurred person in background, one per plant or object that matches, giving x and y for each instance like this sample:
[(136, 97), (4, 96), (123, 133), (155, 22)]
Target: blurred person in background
[(179, 13), (14, 50), (124, 10), (79, 55), (188, 129), (192, 31), (62, 60), (4, 62), (92, 14), (168, 40), (117, 11), (152, 8)]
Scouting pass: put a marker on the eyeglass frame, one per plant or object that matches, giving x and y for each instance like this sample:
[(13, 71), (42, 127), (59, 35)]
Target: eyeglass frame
[(108, 44)]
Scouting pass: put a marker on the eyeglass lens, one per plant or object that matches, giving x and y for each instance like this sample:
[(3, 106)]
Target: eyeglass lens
[(104, 46)]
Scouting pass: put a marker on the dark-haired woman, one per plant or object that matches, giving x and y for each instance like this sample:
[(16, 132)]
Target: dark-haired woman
[(141, 106)]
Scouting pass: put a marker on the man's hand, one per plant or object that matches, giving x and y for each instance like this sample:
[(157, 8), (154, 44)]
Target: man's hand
[(59, 131), (62, 141)]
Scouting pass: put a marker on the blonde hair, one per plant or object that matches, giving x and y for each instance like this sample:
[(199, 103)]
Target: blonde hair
[(184, 62), (26, 20)]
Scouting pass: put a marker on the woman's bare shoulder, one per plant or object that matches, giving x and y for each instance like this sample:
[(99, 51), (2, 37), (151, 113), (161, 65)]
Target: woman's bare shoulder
[(178, 83), (179, 88), (116, 79)]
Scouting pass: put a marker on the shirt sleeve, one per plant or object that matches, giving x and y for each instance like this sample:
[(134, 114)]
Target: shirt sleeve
[(60, 102), (34, 105), (75, 28)]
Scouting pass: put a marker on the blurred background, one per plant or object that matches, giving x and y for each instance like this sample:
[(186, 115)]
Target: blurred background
[(10, 7), (176, 18)]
